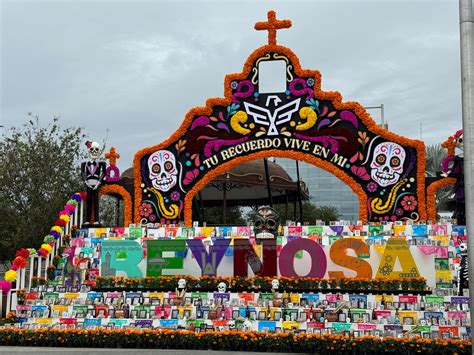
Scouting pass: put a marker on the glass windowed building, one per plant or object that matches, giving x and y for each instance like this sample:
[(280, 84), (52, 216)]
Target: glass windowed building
[(324, 188)]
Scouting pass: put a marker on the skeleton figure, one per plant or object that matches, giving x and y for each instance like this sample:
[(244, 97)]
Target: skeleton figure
[(266, 223), (387, 163), (463, 270), (221, 287), (180, 292), (163, 171), (93, 175)]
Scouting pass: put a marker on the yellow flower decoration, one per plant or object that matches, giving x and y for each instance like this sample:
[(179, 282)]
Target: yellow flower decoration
[(236, 121), (47, 247), (306, 113), (64, 217), (57, 229), (10, 276)]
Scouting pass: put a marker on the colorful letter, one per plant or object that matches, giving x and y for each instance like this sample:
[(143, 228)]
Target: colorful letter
[(121, 255), (208, 261), (155, 260), (318, 258), (338, 255), (245, 255), (397, 248)]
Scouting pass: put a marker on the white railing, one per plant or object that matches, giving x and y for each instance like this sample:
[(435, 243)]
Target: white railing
[(38, 266)]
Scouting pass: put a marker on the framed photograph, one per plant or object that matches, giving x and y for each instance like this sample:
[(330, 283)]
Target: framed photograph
[(235, 314), (133, 314), (303, 316), (187, 313), (356, 333), (342, 317), (408, 321), (262, 315), (293, 316), (253, 315), (142, 313), (199, 313), (303, 302), (174, 314), (277, 315)]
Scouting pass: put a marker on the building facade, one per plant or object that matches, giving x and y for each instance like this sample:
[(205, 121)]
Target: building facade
[(324, 188)]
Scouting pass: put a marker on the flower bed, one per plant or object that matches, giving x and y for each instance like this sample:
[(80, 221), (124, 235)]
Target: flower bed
[(264, 283), (229, 340)]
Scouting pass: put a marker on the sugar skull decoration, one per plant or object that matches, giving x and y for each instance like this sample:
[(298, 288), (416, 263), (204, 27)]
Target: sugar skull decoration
[(181, 284), (275, 284), (221, 287), (266, 223), (387, 163), (163, 171)]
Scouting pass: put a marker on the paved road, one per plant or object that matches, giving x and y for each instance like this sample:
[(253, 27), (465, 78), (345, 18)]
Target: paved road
[(88, 351)]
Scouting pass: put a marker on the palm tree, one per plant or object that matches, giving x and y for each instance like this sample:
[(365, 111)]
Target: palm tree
[(434, 157)]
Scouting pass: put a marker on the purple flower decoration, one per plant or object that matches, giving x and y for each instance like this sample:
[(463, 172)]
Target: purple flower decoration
[(372, 186), (234, 85), (310, 82), (398, 211), (152, 218), (175, 196)]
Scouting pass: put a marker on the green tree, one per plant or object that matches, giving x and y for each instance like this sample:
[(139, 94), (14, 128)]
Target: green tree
[(311, 213), (39, 170), (214, 215)]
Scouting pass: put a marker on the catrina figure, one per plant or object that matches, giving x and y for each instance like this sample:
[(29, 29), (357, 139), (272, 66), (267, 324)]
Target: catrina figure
[(93, 175)]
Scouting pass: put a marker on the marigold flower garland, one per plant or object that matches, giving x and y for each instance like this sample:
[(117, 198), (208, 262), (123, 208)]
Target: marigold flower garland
[(229, 340), (336, 99)]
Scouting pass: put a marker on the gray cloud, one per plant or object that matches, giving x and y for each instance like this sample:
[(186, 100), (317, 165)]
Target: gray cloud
[(136, 68)]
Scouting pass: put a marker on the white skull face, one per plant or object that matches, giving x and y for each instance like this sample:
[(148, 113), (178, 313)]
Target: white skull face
[(422, 321), (221, 287), (163, 170), (387, 163), (94, 150), (462, 245), (275, 284), (181, 283)]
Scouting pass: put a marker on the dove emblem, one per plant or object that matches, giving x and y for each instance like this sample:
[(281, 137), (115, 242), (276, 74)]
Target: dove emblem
[(264, 117)]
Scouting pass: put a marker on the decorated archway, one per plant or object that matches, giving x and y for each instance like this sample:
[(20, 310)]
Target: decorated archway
[(295, 119)]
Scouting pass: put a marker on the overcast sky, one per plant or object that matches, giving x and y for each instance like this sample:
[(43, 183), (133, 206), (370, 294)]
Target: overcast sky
[(136, 67)]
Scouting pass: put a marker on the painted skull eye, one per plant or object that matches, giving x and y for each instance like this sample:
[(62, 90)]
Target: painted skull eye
[(271, 223), (155, 168), (395, 161), (380, 159), (168, 166)]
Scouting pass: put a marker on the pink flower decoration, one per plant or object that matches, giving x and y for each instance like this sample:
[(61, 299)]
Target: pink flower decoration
[(145, 209), (152, 218), (175, 195), (409, 203), (361, 172), (372, 186), (5, 286)]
